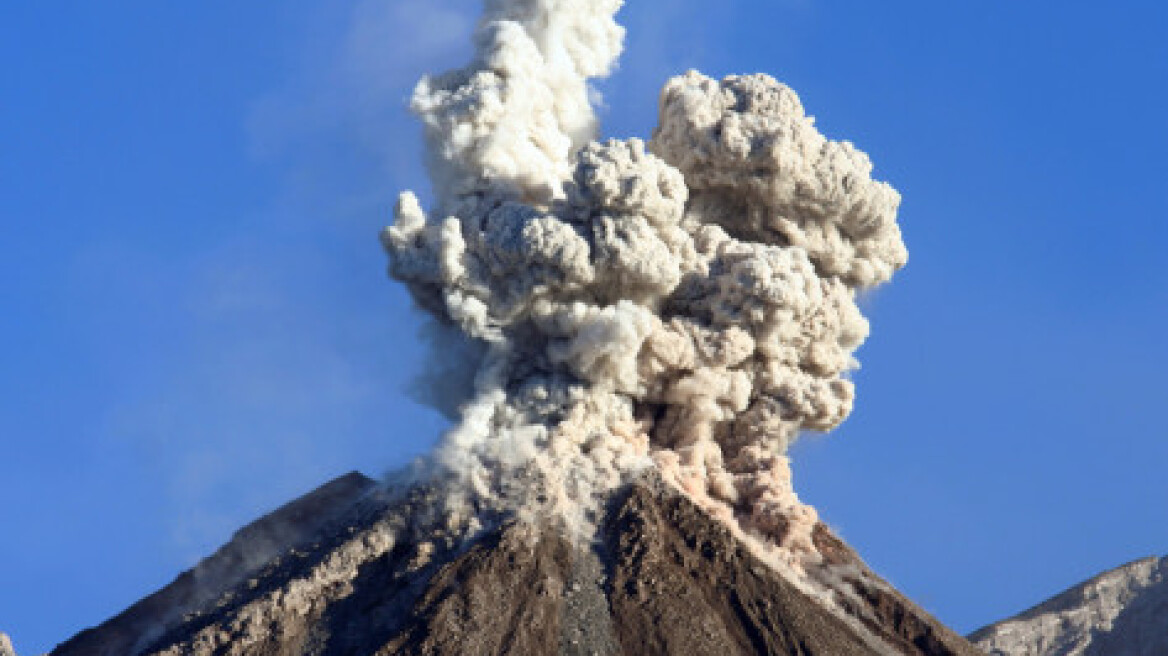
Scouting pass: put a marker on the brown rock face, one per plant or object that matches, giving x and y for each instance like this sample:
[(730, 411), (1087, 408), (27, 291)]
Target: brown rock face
[(682, 584), (663, 578)]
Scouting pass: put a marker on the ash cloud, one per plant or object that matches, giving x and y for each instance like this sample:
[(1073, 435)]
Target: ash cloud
[(686, 303)]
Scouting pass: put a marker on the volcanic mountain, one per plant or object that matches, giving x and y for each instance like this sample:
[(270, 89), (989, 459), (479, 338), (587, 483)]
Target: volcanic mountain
[(337, 572), (629, 335), (1121, 612)]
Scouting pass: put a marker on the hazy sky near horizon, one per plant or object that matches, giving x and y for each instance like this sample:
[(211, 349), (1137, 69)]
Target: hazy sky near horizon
[(197, 325)]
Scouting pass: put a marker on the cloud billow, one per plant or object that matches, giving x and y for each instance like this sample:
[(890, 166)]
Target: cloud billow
[(686, 303)]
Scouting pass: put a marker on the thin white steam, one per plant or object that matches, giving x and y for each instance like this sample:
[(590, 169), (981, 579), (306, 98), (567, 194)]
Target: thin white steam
[(687, 303)]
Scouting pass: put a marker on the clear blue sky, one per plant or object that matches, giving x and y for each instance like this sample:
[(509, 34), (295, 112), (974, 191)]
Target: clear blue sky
[(196, 323)]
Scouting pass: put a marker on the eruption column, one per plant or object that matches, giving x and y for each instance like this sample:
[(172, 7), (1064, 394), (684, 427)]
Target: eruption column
[(686, 303)]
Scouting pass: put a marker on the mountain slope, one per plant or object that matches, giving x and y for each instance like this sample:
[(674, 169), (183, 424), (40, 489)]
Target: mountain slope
[(1122, 612), (663, 578), (251, 548)]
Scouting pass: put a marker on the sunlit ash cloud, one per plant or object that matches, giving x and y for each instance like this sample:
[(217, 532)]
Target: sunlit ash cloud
[(686, 303)]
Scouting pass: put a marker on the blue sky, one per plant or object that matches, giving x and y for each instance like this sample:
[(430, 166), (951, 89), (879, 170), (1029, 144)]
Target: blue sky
[(197, 326)]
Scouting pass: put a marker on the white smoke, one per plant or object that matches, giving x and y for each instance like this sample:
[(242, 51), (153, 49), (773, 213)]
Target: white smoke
[(512, 119), (688, 304)]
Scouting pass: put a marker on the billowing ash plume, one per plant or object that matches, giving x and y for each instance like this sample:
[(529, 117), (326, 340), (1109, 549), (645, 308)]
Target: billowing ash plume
[(686, 303)]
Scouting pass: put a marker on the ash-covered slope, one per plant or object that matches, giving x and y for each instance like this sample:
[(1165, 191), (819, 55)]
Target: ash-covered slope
[(1122, 612), (662, 578), (250, 549)]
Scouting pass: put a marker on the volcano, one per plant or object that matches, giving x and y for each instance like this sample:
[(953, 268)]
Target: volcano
[(630, 335), (350, 569)]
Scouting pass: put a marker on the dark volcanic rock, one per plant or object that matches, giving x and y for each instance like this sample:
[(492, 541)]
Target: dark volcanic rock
[(663, 578), (505, 595), (683, 584)]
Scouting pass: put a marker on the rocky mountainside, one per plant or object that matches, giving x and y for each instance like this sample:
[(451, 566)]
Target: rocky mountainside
[(334, 573), (1122, 612), (6, 646)]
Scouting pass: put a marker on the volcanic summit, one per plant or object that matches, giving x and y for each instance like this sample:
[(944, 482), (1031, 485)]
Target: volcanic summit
[(631, 333), (342, 571)]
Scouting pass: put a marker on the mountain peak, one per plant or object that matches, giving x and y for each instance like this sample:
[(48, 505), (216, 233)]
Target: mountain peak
[(370, 577), (1121, 611)]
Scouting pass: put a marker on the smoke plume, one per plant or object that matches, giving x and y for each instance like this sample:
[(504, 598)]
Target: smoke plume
[(686, 303)]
